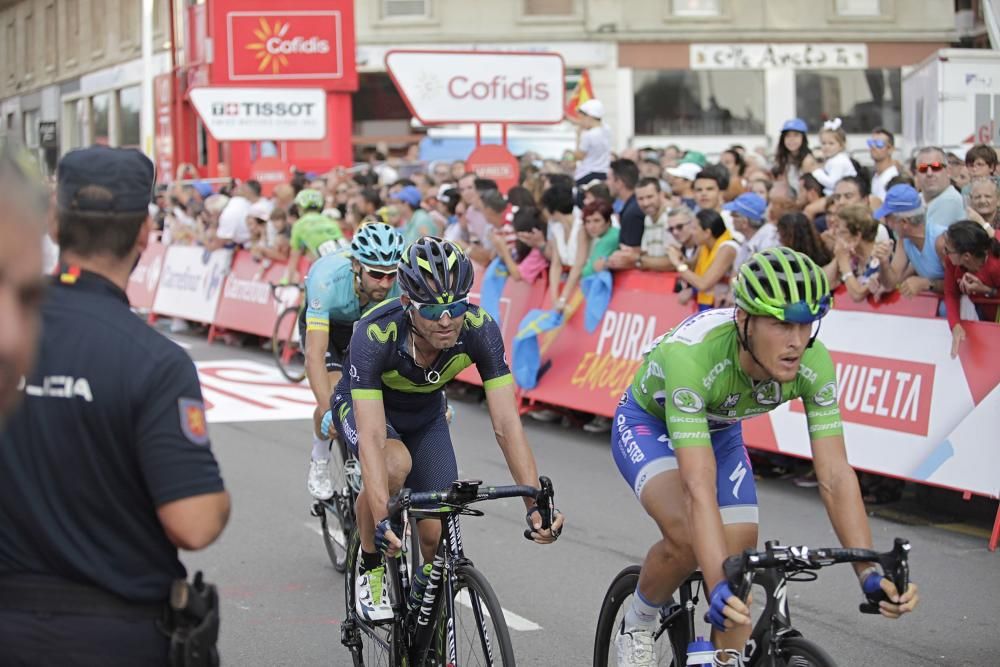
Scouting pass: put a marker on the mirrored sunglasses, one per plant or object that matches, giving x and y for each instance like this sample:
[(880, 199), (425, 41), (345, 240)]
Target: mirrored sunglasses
[(924, 167), (435, 311), (876, 143), (379, 275)]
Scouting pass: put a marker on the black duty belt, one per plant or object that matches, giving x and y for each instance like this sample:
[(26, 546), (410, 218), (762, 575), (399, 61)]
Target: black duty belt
[(52, 595)]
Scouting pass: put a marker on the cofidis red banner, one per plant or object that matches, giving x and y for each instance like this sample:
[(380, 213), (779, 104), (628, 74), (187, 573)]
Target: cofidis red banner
[(263, 42)]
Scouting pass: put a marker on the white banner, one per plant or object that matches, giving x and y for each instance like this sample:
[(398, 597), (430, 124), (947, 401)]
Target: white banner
[(191, 283), (477, 87), (778, 56), (262, 114)]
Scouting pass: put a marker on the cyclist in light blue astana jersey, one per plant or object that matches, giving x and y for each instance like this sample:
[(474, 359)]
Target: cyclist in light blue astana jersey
[(677, 439), (339, 288)]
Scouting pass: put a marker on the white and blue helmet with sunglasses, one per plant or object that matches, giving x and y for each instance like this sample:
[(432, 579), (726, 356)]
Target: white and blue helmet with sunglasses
[(434, 271), (377, 244)]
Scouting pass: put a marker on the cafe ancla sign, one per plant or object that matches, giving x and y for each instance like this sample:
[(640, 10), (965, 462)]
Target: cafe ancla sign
[(779, 56)]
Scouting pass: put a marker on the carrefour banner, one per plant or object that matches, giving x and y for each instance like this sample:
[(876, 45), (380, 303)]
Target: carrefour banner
[(191, 283)]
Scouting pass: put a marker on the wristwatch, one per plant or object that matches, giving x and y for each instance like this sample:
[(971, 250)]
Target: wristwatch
[(638, 262), (845, 275), (682, 267)]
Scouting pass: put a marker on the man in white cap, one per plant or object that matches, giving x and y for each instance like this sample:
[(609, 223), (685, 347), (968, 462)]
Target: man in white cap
[(593, 143)]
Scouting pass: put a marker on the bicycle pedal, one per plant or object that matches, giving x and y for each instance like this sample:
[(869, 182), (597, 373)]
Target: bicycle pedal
[(317, 509)]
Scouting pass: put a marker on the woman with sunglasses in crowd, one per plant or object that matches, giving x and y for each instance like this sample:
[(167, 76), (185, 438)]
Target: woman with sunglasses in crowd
[(390, 406), (713, 263), (971, 269)]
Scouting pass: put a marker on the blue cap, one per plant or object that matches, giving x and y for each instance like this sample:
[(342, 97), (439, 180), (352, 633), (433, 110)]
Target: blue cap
[(750, 205), (900, 198), (796, 125), (125, 173), (410, 194), (204, 189)]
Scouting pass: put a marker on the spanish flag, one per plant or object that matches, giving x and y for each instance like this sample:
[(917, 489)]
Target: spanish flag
[(581, 94)]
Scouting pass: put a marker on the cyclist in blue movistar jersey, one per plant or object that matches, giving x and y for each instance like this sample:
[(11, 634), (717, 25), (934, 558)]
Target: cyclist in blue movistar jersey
[(339, 288), (390, 406)]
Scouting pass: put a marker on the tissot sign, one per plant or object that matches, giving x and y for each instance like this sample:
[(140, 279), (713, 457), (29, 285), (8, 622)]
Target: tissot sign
[(259, 114), (305, 41), (478, 86)]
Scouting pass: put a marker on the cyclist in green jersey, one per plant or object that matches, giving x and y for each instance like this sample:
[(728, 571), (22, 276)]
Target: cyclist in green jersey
[(313, 234), (678, 441)]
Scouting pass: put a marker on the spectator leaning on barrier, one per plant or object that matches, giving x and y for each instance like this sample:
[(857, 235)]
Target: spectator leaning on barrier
[(233, 230), (623, 178), (106, 464), (984, 200), (23, 207), (604, 238), (750, 219), (944, 203), (916, 262), (655, 236), (857, 255), (880, 147), (714, 261), (971, 269)]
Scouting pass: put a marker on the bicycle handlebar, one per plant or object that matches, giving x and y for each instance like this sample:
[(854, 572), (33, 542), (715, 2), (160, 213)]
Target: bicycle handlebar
[(739, 570), (466, 492)]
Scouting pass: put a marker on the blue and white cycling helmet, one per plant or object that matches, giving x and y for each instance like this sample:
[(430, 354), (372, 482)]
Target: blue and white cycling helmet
[(377, 244)]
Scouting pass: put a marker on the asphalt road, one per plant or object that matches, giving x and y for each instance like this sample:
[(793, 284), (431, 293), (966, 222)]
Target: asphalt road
[(282, 602)]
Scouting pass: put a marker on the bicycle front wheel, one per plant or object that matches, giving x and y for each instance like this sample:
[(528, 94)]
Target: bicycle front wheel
[(287, 347), (609, 622), (800, 652), (481, 634)]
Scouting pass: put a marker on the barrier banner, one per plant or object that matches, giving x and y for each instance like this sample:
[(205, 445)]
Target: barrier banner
[(191, 283), (517, 298), (247, 303), (142, 283)]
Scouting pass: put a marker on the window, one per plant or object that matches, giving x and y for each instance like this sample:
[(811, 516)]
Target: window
[(131, 25), (28, 40), (29, 120), (863, 99), (51, 37), (129, 100), (859, 7), (99, 113), (695, 7), (98, 34), (81, 125), (70, 10), (392, 9), (11, 49), (692, 102), (549, 7)]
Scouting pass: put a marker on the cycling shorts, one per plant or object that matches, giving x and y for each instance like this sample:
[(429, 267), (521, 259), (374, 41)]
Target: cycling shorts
[(424, 433), (339, 340), (641, 448)]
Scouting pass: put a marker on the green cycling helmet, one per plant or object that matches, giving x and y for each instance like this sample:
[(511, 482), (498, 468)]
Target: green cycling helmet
[(782, 283), (309, 200)]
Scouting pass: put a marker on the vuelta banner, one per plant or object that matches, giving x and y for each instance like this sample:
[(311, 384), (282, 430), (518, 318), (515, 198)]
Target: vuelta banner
[(247, 303), (142, 283), (191, 283)]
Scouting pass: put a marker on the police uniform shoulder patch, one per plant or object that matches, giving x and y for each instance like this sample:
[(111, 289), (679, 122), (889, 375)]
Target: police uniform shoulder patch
[(193, 424)]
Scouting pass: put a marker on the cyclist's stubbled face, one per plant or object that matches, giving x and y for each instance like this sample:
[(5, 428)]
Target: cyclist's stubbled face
[(779, 346), (375, 289), (441, 334)]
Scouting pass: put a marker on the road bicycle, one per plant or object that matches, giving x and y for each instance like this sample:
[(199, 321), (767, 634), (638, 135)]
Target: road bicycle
[(286, 343), (336, 514), (774, 641), (459, 621)]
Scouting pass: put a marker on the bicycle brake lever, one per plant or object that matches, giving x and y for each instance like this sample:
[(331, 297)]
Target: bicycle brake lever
[(545, 499), (896, 567), (738, 574)]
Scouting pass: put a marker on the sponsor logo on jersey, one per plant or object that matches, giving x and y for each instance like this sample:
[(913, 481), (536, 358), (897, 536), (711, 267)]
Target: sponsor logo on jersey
[(687, 400), (623, 400), (827, 395), (354, 373), (377, 333), (768, 393), (717, 370), (193, 423), (731, 401), (315, 304), (476, 318)]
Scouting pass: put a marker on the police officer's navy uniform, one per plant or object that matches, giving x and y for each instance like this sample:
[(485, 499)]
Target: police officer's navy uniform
[(111, 427)]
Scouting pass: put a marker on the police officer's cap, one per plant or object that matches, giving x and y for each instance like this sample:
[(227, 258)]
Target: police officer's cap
[(124, 172)]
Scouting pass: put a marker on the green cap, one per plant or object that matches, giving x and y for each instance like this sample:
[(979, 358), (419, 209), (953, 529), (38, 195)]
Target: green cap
[(694, 157)]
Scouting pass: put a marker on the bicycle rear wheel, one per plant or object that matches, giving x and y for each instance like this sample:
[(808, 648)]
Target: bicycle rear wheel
[(374, 645), (800, 652), (338, 523), (481, 634), (286, 346), (609, 622)]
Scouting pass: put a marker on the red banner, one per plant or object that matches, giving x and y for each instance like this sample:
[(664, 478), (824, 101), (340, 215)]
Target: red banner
[(247, 303), (305, 41), (146, 276)]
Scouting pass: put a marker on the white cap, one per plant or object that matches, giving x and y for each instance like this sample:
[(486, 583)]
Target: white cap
[(685, 170), (260, 209), (593, 108)]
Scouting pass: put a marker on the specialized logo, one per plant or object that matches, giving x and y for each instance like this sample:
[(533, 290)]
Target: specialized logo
[(275, 45), (827, 395), (731, 401), (737, 476), (377, 333), (687, 400), (193, 423), (768, 393)]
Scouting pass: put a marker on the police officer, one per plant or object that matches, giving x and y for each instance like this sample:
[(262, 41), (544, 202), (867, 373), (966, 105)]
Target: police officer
[(106, 468)]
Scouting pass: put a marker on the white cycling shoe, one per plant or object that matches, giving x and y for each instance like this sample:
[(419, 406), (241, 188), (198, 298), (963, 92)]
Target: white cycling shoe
[(319, 483), (635, 647), (371, 597)]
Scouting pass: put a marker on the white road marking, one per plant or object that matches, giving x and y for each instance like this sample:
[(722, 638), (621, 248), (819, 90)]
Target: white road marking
[(185, 346), (514, 621), (238, 390)]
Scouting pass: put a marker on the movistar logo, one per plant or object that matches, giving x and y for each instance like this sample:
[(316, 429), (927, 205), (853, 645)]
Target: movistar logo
[(476, 317), (375, 332)]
